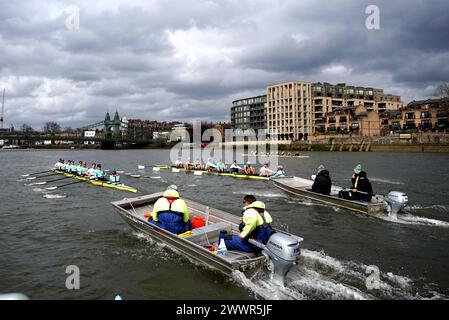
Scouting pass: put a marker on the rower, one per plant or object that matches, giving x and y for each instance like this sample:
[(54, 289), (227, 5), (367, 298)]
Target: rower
[(280, 173), (99, 173), (58, 165), (82, 169), (256, 224), (171, 213), (265, 171), (249, 170), (91, 171), (221, 167), (210, 165), (198, 165), (235, 168), (322, 183), (178, 163), (188, 165)]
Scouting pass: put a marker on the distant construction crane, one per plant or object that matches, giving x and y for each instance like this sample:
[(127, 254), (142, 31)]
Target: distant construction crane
[(3, 110)]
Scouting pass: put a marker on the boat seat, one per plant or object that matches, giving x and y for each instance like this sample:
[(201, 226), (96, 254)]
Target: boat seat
[(209, 233)]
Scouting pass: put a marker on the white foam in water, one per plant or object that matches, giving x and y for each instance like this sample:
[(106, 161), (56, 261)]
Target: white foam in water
[(414, 220), (438, 207), (381, 180), (55, 196), (155, 177), (261, 194)]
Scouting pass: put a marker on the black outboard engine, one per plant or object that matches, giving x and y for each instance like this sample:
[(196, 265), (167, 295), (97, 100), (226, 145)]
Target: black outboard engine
[(396, 201), (283, 252)]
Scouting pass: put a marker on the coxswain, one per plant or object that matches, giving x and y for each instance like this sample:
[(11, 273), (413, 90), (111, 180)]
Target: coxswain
[(280, 172), (114, 177)]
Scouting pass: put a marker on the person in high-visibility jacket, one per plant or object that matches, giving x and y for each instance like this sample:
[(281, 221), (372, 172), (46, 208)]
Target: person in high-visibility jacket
[(171, 213), (256, 224)]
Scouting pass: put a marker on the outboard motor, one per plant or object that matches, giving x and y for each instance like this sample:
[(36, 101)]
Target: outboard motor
[(283, 251), (396, 201)]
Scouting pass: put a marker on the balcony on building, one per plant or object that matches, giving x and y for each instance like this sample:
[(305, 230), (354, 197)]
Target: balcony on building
[(410, 115), (442, 114), (426, 115)]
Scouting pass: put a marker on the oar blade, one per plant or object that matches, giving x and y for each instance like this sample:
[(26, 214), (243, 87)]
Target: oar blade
[(51, 188)]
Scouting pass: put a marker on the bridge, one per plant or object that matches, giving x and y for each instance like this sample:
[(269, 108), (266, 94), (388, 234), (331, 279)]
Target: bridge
[(111, 136)]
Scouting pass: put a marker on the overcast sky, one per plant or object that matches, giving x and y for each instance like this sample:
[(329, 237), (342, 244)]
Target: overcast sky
[(189, 59)]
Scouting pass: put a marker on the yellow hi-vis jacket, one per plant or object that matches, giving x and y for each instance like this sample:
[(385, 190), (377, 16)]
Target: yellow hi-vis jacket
[(252, 219), (162, 204)]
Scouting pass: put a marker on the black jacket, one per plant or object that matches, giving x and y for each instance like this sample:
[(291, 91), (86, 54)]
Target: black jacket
[(362, 184), (322, 183)]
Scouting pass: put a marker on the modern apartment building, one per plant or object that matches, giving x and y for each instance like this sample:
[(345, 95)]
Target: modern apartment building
[(296, 110), (289, 111), (249, 113)]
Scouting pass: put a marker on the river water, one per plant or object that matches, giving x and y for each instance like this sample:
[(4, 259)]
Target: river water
[(42, 233)]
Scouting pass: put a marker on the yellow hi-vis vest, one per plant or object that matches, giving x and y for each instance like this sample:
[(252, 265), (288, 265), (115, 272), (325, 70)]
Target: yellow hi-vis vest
[(252, 220), (179, 206)]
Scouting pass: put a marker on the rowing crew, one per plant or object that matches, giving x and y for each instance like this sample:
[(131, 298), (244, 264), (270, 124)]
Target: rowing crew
[(95, 172), (220, 166)]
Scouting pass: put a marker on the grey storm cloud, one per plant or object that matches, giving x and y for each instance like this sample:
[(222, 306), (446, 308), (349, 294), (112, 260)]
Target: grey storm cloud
[(186, 60)]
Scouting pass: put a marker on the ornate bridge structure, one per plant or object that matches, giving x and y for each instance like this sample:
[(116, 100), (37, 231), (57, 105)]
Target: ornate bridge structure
[(107, 134)]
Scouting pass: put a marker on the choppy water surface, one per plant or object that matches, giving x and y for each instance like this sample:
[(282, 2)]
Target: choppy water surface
[(43, 232)]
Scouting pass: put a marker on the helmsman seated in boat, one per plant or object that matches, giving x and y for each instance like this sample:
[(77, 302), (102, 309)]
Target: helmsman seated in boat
[(361, 189), (256, 224), (171, 213), (322, 182)]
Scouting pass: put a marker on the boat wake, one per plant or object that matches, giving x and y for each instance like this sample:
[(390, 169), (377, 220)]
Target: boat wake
[(310, 203), (386, 181), (437, 207), (320, 276), (414, 220)]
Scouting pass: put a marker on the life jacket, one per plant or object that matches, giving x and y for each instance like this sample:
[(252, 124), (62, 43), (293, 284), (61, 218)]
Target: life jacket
[(263, 226), (169, 205)]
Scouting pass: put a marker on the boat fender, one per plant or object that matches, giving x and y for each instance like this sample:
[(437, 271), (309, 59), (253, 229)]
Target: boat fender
[(147, 214)]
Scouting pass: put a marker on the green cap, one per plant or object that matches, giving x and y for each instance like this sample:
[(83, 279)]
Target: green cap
[(320, 168), (358, 169), (172, 187)]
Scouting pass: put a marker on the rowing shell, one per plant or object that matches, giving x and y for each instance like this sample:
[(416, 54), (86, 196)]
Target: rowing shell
[(223, 174), (104, 184), (274, 155)]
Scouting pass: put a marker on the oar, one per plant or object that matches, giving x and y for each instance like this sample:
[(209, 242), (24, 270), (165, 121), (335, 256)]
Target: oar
[(47, 175), (45, 182), (64, 185), (32, 174)]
